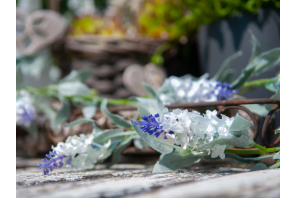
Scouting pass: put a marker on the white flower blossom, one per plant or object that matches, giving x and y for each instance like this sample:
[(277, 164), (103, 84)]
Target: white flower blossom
[(185, 128), (187, 89), (218, 150), (80, 151)]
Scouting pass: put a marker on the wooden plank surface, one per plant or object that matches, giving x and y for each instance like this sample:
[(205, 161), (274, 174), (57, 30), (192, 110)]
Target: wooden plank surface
[(136, 180)]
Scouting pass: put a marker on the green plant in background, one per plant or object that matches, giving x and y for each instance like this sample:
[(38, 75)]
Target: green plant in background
[(179, 20), (174, 19)]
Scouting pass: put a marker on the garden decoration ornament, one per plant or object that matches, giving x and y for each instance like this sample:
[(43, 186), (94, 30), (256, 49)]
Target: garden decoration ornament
[(135, 74), (41, 28)]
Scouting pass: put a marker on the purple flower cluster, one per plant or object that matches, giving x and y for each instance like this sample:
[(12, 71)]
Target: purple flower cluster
[(52, 162), (225, 91), (151, 125)]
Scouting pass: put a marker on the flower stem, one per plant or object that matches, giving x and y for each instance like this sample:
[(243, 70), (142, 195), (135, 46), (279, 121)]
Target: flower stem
[(268, 150), (260, 147)]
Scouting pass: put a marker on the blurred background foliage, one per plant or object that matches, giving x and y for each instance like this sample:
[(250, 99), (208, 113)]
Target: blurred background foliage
[(168, 19)]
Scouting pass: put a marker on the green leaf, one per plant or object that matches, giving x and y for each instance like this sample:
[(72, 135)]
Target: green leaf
[(119, 149), (114, 118), (113, 135), (142, 110), (256, 50), (219, 75), (257, 109), (259, 166), (73, 89), (176, 160), (160, 147), (78, 122), (89, 111), (149, 89), (80, 75), (240, 123), (19, 78), (62, 114), (263, 62)]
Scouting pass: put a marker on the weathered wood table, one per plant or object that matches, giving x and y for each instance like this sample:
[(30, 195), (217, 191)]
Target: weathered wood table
[(205, 179)]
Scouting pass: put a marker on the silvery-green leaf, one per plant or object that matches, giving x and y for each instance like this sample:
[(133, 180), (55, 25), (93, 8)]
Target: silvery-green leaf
[(277, 155), (176, 160), (45, 108), (114, 118), (19, 78), (240, 123), (142, 110), (96, 130), (34, 67), (277, 165), (113, 135), (219, 75), (277, 131), (267, 61), (54, 73), (62, 114), (243, 141), (259, 166), (275, 96), (78, 122), (256, 50), (149, 89), (73, 89), (80, 75), (149, 139), (137, 143), (119, 149), (263, 62), (89, 111), (257, 109), (152, 105)]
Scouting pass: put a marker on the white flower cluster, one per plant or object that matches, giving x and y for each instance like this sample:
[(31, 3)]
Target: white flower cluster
[(80, 152), (187, 90), (192, 129)]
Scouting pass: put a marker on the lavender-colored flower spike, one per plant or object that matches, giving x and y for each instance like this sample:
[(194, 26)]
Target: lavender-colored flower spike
[(52, 162), (225, 91), (26, 116), (150, 125)]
